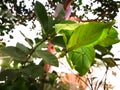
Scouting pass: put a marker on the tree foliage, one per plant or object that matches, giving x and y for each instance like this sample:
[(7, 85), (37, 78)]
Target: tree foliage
[(79, 42)]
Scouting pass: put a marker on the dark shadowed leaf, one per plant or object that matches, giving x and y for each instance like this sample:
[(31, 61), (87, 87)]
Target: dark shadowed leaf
[(110, 62), (9, 74), (33, 70), (58, 40), (51, 24), (41, 14)]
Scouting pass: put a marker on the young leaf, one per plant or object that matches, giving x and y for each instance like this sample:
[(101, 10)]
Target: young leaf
[(111, 38), (47, 57), (66, 25), (82, 58), (41, 14), (88, 34)]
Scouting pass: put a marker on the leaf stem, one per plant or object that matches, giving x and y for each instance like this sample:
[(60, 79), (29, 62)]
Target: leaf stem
[(34, 48)]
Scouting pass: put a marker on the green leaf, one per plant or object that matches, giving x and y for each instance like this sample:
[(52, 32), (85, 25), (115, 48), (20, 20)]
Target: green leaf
[(19, 84), (82, 59), (58, 40), (111, 38), (15, 53), (22, 47), (46, 56), (66, 28), (41, 14), (9, 74), (33, 70), (66, 25), (88, 34), (51, 23)]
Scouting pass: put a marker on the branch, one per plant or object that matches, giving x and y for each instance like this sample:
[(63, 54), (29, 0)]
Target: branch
[(33, 50)]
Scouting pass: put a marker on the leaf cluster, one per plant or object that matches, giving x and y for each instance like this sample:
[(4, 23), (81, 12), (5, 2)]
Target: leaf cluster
[(79, 42)]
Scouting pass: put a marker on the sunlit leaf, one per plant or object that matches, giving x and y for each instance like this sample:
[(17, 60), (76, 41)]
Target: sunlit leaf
[(111, 38), (82, 59), (88, 34), (66, 25)]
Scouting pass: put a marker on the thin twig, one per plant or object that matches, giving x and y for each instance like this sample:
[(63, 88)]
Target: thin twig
[(77, 76), (102, 78), (90, 82), (105, 77)]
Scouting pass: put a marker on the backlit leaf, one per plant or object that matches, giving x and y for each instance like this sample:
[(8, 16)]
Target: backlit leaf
[(66, 25), (88, 34), (82, 59), (111, 38)]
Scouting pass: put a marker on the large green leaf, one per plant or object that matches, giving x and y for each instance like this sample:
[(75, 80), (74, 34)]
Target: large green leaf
[(88, 34), (41, 14), (66, 28), (66, 25), (46, 56), (15, 53), (82, 58), (111, 38)]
